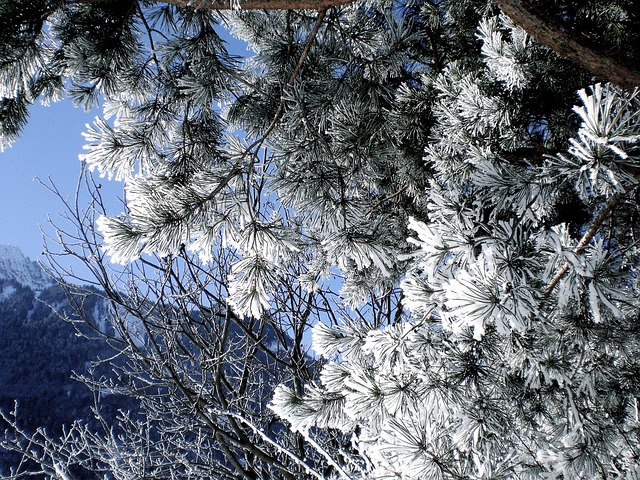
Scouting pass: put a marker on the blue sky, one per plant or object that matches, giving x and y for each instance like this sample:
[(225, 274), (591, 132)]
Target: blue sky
[(48, 148)]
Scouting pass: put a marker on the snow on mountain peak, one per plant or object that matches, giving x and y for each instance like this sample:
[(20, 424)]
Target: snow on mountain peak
[(15, 266)]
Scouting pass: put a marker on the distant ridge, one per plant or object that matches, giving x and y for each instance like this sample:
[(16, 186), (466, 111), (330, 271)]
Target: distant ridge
[(15, 266)]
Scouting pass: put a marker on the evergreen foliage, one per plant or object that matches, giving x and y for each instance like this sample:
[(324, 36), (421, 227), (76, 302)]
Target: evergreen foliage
[(470, 194)]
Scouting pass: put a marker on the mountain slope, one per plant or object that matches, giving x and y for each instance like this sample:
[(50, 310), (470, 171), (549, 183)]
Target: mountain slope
[(40, 352)]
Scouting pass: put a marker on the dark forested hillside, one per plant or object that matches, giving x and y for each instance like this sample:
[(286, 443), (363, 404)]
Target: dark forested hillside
[(40, 353)]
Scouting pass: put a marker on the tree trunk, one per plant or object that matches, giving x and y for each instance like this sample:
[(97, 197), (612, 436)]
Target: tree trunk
[(554, 37)]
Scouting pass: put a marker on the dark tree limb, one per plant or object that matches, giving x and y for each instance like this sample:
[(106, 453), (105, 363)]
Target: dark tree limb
[(553, 36)]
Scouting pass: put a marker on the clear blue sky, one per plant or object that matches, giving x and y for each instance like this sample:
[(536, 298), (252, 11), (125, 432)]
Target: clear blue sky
[(49, 147)]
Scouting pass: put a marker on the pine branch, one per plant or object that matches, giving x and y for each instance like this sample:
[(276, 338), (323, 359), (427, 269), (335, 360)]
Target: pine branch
[(236, 168), (249, 4), (553, 36), (587, 237), (292, 78)]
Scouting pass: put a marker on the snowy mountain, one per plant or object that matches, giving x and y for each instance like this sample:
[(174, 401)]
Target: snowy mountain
[(15, 266)]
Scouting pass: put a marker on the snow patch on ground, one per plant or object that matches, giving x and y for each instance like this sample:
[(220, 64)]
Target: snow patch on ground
[(7, 291)]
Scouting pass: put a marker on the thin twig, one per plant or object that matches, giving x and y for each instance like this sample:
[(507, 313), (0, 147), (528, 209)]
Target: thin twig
[(257, 431)]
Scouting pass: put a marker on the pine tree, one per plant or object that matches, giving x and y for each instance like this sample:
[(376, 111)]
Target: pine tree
[(470, 192), (519, 356)]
